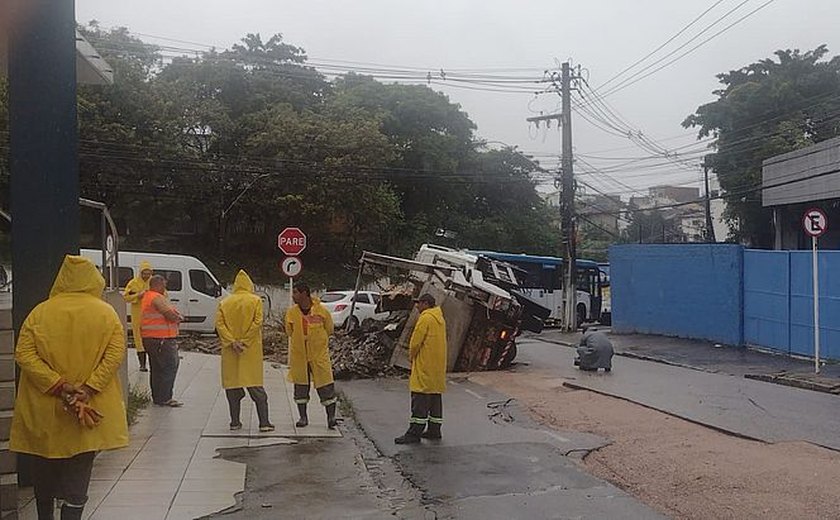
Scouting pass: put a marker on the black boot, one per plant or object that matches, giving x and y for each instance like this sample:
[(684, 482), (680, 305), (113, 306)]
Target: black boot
[(71, 513), (304, 419), (46, 508), (331, 422), (412, 436), (141, 357), (432, 431)]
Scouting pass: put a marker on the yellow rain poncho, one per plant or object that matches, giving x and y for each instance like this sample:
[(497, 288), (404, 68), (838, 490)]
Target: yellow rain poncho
[(427, 351), (309, 338), (240, 318), (133, 295), (77, 338)]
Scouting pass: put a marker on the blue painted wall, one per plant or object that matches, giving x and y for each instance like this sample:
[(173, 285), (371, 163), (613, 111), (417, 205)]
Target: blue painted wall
[(690, 291), (767, 299)]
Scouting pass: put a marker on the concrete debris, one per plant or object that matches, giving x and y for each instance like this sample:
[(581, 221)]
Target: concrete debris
[(366, 352)]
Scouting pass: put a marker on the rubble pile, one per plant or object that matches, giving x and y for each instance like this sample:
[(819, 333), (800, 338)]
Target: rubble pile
[(366, 352), (275, 343)]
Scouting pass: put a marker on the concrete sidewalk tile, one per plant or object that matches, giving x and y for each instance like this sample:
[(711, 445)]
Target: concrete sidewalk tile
[(217, 499), (191, 512), (130, 513), (146, 486), (216, 485), (146, 473), (215, 470), (139, 498)]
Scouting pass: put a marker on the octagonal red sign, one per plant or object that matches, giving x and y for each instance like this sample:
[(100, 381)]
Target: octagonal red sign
[(292, 241)]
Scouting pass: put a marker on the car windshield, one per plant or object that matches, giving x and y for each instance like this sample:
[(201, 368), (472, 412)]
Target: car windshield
[(332, 297)]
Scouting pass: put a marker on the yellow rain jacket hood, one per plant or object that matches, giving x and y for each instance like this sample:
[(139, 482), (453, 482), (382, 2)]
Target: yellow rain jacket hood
[(240, 318), (427, 351), (132, 294), (73, 337), (309, 338)]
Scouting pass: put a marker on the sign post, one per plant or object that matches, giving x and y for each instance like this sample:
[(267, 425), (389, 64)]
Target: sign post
[(815, 224), (291, 241)]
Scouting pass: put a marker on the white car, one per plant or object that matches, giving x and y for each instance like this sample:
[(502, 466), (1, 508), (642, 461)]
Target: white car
[(338, 303)]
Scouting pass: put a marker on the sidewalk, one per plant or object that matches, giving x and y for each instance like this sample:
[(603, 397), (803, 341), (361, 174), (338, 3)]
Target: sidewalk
[(170, 471), (710, 357)]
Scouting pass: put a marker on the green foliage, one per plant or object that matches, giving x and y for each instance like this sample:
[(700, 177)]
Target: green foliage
[(214, 154), (765, 109), (138, 400)]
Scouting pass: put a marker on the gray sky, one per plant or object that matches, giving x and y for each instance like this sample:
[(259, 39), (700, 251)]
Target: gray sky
[(603, 36)]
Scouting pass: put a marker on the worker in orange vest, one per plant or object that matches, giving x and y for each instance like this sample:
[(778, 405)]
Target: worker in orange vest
[(159, 328)]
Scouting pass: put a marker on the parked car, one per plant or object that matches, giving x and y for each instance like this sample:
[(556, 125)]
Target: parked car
[(338, 303)]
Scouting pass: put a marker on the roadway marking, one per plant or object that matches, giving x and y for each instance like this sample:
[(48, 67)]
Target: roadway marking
[(467, 390), (558, 437)]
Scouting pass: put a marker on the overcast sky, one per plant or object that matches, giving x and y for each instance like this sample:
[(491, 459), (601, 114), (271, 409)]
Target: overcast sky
[(602, 36)]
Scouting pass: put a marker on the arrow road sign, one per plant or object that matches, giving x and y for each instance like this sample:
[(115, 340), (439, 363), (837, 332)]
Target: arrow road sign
[(291, 266)]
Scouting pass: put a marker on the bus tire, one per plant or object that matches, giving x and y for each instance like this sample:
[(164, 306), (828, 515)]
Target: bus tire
[(606, 318), (581, 315)]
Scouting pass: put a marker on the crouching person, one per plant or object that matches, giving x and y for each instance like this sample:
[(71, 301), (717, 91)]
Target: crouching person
[(69, 403), (595, 351)]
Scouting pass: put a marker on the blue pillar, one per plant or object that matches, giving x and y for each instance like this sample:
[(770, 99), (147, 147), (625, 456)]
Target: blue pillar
[(43, 146)]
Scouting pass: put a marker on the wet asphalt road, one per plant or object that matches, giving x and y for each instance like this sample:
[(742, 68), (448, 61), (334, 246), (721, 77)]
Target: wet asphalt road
[(753, 409), (492, 463)]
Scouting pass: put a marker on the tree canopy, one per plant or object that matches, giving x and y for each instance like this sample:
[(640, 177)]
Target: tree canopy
[(213, 154), (766, 108)]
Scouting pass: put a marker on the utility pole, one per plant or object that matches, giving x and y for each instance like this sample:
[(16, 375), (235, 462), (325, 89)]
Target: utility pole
[(710, 228), (567, 199)]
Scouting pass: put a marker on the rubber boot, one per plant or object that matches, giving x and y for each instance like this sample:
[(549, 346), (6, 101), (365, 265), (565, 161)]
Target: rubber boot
[(141, 357), (412, 436), (46, 508), (331, 422), (304, 419), (432, 431), (71, 513)]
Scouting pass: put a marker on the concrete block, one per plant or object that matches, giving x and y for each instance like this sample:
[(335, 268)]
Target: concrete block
[(5, 425), (6, 319), (8, 492), (8, 461), (7, 367), (7, 395), (7, 342)]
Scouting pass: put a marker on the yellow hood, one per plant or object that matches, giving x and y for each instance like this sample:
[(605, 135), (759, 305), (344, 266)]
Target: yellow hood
[(78, 275), (243, 283), (145, 266), (436, 313)]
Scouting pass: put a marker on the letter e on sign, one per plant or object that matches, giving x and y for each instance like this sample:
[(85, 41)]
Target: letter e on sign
[(815, 223)]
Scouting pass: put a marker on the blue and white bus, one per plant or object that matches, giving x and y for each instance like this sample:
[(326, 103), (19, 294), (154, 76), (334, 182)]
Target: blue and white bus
[(541, 279)]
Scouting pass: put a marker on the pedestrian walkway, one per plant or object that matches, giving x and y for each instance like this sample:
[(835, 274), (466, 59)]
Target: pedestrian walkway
[(170, 471)]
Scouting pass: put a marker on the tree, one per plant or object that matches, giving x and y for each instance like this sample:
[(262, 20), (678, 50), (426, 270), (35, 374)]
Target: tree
[(765, 109)]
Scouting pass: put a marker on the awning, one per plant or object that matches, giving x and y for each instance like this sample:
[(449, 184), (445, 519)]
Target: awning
[(91, 69)]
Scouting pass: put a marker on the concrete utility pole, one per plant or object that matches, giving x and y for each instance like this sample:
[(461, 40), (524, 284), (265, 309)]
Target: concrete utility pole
[(567, 199), (710, 228)]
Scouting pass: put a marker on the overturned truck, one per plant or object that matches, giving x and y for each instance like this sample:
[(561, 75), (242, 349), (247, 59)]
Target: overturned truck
[(484, 312)]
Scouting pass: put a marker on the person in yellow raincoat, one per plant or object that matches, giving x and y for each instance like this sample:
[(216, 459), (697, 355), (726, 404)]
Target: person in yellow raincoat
[(133, 294), (239, 324), (308, 327), (427, 351), (69, 349)]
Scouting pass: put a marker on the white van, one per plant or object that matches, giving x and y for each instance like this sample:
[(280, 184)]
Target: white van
[(190, 284)]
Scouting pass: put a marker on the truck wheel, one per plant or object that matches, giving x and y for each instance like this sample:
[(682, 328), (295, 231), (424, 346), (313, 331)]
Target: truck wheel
[(581, 316), (606, 318), (508, 357)]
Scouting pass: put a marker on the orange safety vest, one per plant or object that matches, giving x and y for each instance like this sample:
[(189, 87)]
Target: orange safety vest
[(153, 324)]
